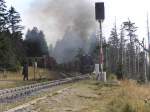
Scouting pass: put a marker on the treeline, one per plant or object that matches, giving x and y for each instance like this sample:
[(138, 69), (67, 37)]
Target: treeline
[(124, 54), (13, 49)]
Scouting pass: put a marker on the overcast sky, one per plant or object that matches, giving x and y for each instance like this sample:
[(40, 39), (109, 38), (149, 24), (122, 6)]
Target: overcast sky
[(136, 10)]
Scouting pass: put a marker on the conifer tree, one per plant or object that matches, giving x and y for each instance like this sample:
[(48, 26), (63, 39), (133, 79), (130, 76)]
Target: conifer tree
[(14, 20), (131, 34), (113, 49), (3, 16), (36, 43)]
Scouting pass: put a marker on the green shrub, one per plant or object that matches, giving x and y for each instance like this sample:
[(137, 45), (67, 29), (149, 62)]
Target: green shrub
[(14, 67)]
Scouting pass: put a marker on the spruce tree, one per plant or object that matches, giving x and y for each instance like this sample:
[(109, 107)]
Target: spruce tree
[(14, 20), (3, 16), (15, 29), (113, 49), (36, 43), (43, 44), (131, 34)]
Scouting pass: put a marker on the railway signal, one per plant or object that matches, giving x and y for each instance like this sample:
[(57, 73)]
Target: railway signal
[(100, 16)]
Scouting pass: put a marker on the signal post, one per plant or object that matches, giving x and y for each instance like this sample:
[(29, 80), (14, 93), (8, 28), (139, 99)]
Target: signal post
[(100, 16)]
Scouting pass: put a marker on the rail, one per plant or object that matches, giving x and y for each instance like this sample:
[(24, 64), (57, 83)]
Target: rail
[(10, 95)]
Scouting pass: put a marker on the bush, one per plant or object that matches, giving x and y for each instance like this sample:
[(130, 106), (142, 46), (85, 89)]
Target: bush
[(15, 68)]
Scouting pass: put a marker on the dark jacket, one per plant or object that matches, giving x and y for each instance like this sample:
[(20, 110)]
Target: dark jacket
[(25, 70)]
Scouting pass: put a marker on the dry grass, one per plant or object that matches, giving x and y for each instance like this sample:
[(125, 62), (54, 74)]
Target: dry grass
[(18, 75), (131, 97), (13, 79), (127, 97)]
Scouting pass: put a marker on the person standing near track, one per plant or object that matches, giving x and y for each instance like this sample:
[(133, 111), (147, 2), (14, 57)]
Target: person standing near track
[(25, 71)]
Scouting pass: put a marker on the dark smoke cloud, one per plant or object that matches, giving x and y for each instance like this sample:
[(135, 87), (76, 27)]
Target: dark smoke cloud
[(58, 17)]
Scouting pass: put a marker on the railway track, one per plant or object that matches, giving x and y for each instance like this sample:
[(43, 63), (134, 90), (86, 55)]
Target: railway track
[(10, 95)]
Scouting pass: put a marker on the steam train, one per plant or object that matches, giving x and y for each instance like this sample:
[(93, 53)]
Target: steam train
[(86, 64)]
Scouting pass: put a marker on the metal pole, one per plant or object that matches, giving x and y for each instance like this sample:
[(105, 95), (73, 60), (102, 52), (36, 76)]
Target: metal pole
[(101, 47)]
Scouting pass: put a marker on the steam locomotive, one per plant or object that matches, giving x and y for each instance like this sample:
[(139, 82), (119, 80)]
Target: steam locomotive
[(86, 64)]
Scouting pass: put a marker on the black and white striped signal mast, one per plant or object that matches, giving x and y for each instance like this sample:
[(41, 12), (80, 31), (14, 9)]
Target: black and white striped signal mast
[(100, 16)]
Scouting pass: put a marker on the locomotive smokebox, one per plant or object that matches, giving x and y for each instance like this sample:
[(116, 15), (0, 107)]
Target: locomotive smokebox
[(99, 11)]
